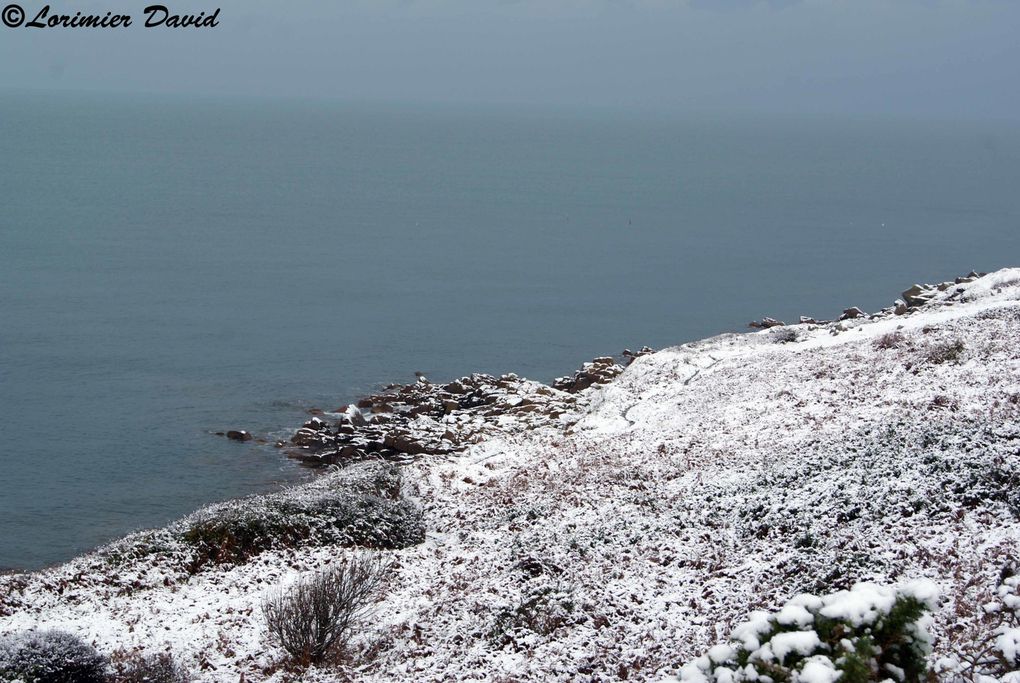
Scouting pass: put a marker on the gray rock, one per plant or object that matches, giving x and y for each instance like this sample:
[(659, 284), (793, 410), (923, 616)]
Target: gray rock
[(765, 323), (918, 295)]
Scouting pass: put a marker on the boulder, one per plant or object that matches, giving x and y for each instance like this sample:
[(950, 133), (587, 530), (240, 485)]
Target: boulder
[(315, 424), (306, 437), (239, 435), (403, 442), (765, 323), (918, 295)]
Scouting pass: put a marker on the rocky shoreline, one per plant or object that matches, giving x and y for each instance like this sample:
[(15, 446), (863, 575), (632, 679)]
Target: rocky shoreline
[(614, 524), (404, 422), (407, 421)]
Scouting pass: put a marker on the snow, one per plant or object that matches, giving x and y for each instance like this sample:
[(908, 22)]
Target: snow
[(1008, 643), (860, 606), (819, 670), (708, 486), (798, 642), (795, 612)]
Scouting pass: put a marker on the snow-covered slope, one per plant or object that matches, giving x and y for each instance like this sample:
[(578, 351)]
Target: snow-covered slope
[(708, 480)]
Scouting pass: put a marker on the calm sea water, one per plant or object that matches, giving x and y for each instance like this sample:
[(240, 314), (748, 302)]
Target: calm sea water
[(169, 268)]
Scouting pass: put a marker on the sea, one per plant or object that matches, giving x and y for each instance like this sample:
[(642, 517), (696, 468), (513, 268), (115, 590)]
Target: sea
[(171, 266)]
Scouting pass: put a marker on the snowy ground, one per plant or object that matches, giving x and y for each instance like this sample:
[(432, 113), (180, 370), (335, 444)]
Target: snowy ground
[(707, 481)]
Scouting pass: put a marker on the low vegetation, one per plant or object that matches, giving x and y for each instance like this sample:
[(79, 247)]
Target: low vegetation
[(50, 657), (869, 633), (362, 506), (371, 515), (314, 620), (157, 668)]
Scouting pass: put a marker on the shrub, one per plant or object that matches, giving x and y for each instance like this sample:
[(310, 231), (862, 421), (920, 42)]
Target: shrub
[(542, 610), (50, 657), (868, 633), (159, 668), (316, 617), (949, 352), (992, 653), (235, 535), (890, 340), (785, 335), (369, 513)]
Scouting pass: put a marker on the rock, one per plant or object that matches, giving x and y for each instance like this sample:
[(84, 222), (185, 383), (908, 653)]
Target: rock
[(918, 295), (306, 437), (239, 435), (404, 443), (315, 424), (352, 453), (404, 422), (600, 370), (901, 307), (631, 356), (851, 313), (765, 323)]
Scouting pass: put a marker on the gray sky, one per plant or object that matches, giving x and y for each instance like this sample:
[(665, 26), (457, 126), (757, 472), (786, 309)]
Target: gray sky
[(943, 58)]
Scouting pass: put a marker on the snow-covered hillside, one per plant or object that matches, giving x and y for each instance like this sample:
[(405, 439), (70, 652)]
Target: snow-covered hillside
[(634, 533)]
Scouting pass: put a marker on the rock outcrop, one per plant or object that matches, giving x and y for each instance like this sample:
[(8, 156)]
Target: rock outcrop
[(407, 421)]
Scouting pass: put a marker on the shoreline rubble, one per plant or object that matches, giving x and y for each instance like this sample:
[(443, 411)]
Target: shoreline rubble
[(407, 421)]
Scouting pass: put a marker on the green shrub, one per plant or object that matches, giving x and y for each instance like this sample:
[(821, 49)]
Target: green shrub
[(868, 633)]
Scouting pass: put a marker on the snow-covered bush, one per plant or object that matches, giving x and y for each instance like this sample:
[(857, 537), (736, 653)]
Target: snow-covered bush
[(1006, 650), (542, 609), (369, 515), (993, 652), (158, 668), (867, 633), (785, 335), (890, 340), (50, 657), (948, 352), (317, 616)]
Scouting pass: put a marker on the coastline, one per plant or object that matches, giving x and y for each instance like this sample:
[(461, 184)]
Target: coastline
[(668, 499)]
